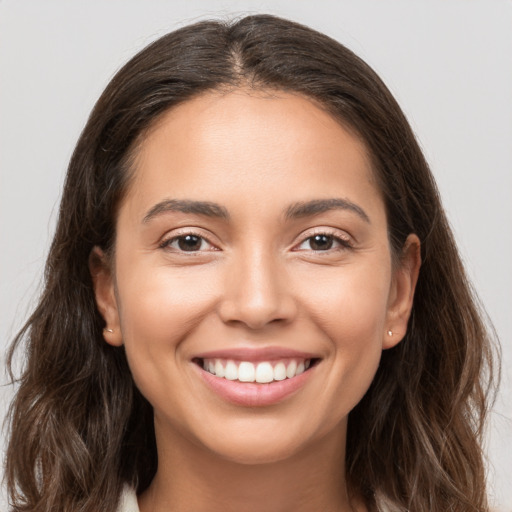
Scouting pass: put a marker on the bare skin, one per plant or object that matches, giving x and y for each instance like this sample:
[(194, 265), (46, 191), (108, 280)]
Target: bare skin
[(293, 254), (317, 482)]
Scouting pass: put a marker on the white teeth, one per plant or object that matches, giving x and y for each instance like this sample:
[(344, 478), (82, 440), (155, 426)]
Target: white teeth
[(279, 371), (262, 372), (246, 372), (219, 369), (231, 371), (290, 369)]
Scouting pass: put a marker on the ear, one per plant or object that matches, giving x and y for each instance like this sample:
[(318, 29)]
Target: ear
[(401, 294), (104, 291)]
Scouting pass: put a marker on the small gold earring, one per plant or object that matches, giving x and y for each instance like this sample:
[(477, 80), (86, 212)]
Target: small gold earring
[(390, 333), (108, 330)]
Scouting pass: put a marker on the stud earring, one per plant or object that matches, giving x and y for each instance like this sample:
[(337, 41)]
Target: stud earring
[(390, 333), (108, 330)]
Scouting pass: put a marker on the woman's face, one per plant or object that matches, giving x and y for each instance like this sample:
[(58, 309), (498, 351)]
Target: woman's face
[(253, 243)]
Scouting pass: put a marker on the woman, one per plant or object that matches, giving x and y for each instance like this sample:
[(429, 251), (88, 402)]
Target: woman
[(235, 315)]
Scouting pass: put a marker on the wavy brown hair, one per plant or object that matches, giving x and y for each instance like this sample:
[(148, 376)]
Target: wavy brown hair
[(80, 429)]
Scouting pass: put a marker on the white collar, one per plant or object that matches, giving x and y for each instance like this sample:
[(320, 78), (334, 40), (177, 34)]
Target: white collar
[(128, 501)]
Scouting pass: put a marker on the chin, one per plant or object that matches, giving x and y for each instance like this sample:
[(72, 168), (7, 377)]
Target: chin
[(246, 453), (263, 441)]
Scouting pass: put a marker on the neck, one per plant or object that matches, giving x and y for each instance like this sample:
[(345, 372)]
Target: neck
[(192, 477)]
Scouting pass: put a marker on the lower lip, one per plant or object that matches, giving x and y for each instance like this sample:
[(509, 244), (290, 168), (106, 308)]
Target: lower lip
[(251, 394)]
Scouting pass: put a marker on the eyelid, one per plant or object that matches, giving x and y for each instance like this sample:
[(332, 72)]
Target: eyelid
[(182, 232), (343, 237)]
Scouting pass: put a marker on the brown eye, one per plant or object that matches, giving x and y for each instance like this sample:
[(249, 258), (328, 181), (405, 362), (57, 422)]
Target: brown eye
[(321, 242), (190, 242)]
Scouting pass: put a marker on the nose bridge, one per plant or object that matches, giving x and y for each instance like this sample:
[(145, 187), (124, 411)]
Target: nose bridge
[(256, 291)]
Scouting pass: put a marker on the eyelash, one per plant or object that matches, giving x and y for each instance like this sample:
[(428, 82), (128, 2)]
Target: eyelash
[(344, 243), (166, 243)]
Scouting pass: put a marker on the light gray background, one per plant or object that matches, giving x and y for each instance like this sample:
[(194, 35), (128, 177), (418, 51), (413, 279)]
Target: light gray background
[(449, 63)]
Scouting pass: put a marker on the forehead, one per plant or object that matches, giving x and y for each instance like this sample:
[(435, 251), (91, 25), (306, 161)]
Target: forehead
[(250, 144)]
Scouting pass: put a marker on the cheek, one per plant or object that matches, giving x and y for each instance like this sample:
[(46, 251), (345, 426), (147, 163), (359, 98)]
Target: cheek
[(352, 315), (159, 307), (154, 298), (351, 303)]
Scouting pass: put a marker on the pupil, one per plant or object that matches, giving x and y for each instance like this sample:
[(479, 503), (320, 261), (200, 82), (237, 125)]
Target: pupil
[(189, 243), (321, 242)]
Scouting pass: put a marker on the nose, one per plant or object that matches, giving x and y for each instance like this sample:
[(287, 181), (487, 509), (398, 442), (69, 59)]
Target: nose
[(257, 293)]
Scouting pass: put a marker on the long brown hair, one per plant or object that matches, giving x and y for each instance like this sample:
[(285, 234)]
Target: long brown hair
[(80, 429)]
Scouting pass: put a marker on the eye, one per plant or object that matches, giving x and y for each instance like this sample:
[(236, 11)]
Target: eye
[(188, 242), (321, 242)]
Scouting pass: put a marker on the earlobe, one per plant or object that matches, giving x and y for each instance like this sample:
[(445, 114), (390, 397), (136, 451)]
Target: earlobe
[(402, 292), (104, 292)]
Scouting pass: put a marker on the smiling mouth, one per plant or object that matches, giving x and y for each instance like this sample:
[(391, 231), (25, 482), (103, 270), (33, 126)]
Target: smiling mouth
[(262, 372)]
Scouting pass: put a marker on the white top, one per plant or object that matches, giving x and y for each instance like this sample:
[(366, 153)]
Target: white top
[(128, 501)]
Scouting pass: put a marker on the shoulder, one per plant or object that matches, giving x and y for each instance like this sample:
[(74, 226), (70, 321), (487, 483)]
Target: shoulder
[(128, 501)]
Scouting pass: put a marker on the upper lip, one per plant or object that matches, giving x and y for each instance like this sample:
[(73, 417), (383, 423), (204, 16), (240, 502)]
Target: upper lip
[(256, 354)]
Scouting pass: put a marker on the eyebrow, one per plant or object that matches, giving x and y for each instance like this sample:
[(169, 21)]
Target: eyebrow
[(305, 209), (205, 208), (294, 211)]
